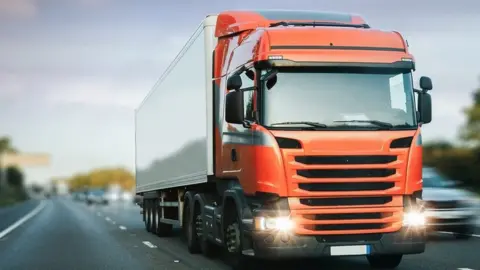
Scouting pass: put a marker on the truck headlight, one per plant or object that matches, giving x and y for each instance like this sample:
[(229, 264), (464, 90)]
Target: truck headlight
[(414, 219), (284, 224)]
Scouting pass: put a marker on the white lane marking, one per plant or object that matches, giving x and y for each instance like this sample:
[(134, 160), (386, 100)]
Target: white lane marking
[(108, 219), (464, 269), (113, 222), (148, 244), (23, 219), (123, 228), (472, 235)]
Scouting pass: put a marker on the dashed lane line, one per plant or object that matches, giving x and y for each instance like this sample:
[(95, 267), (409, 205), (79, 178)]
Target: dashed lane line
[(148, 244), (123, 228)]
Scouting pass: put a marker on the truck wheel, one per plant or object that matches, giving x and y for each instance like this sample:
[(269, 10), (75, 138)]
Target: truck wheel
[(153, 216), (208, 249), (192, 241), (385, 261), (148, 218), (233, 239)]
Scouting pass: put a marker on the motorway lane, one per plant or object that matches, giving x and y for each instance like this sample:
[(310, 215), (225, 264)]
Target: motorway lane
[(443, 250), (65, 235), (11, 214), (72, 235)]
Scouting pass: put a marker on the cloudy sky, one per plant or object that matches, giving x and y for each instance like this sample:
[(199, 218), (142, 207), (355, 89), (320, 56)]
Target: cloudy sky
[(72, 71)]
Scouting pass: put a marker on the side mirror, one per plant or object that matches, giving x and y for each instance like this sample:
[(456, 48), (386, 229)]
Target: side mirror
[(234, 82), (234, 107), (426, 83), (425, 107)]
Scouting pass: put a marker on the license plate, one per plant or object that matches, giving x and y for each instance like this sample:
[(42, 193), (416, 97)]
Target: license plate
[(350, 250)]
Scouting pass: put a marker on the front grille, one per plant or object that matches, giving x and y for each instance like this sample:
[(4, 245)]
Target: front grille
[(441, 204), (360, 201), (361, 186), (341, 160), (328, 187), (346, 173), (348, 216)]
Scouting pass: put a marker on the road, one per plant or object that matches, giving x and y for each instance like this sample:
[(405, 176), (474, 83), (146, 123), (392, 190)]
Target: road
[(71, 235)]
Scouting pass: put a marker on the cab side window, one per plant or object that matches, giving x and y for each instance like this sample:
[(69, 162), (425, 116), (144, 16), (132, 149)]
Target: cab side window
[(248, 83)]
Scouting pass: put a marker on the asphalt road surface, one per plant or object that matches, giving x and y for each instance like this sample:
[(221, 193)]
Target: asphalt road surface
[(63, 234)]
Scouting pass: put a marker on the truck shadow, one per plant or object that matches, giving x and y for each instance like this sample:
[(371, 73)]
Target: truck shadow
[(324, 263)]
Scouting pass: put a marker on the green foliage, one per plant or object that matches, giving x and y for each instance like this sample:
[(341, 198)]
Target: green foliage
[(460, 163), (6, 146), (471, 131), (15, 177), (102, 178), (11, 196)]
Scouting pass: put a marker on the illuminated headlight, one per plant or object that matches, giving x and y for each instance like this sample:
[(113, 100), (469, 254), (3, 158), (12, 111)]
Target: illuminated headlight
[(274, 223), (414, 219)]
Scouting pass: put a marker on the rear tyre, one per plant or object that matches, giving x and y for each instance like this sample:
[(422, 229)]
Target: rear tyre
[(153, 216), (193, 243), (148, 216), (385, 261)]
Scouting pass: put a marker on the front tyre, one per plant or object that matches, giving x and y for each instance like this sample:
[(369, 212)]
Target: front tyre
[(234, 242), (384, 261)]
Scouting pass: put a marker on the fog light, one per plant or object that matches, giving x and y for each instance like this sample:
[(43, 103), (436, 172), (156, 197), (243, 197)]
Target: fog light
[(414, 219), (275, 223)]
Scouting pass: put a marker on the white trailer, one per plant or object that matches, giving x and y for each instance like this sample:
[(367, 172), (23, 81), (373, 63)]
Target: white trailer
[(173, 125)]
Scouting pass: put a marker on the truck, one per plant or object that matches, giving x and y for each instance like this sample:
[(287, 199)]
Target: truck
[(280, 134)]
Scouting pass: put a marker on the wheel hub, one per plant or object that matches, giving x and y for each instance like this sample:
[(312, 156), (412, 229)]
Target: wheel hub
[(199, 225), (233, 238)]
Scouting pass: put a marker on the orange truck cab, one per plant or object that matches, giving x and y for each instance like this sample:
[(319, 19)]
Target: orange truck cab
[(316, 142)]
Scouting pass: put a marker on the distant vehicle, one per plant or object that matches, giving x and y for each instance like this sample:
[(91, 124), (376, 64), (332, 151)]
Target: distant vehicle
[(127, 196), (96, 196), (448, 207), (79, 196)]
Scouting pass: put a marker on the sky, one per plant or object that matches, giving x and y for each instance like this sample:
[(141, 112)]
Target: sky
[(72, 71)]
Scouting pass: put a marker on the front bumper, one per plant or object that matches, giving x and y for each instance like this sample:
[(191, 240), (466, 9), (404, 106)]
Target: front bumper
[(449, 219), (271, 246)]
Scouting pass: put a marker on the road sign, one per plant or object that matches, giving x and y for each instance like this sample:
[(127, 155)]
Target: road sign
[(21, 160), (25, 160)]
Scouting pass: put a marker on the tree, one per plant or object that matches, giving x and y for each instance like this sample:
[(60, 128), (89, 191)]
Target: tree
[(6, 146), (102, 178), (471, 131), (14, 177)]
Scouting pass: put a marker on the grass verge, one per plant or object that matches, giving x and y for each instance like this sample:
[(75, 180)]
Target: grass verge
[(11, 196)]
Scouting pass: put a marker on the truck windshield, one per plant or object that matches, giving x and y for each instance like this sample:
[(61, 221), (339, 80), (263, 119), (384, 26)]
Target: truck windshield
[(345, 98)]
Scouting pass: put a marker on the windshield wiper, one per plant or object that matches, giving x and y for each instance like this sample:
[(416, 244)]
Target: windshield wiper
[(313, 23), (312, 124), (374, 122)]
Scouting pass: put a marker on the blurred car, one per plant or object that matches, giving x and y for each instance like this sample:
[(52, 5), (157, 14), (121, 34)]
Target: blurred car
[(127, 196), (96, 196), (447, 207), (79, 196)]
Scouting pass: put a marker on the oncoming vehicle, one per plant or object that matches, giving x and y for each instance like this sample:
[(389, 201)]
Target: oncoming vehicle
[(285, 134), (448, 207)]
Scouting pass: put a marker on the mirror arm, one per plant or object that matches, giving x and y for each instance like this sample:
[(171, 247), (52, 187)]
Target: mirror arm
[(247, 123)]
